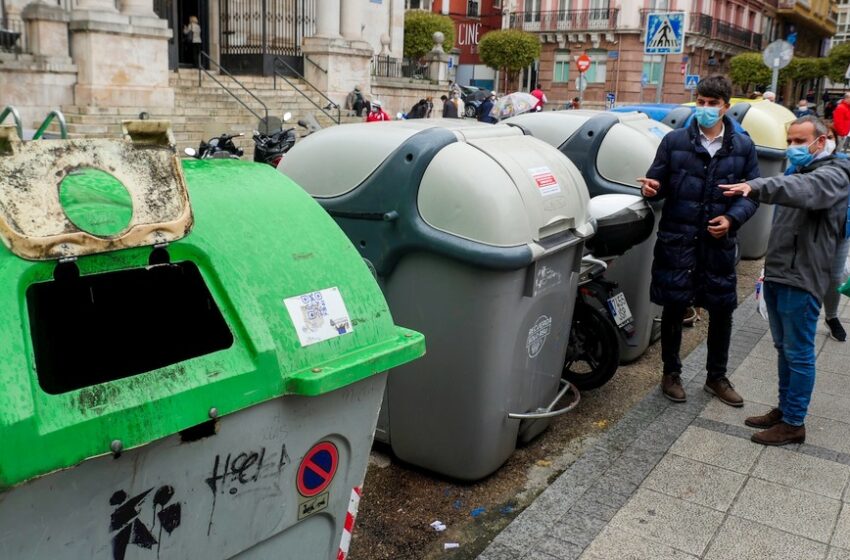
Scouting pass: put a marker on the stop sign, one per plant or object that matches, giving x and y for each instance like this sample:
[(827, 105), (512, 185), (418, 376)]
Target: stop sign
[(583, 63)]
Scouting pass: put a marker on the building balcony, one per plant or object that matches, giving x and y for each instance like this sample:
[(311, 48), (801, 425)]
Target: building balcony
[(711, 28), (814, 15), (565, 20)]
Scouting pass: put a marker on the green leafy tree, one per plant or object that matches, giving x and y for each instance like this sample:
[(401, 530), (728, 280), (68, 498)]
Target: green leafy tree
[(509, 49), (837, 62), (748, 69), (419, 29)]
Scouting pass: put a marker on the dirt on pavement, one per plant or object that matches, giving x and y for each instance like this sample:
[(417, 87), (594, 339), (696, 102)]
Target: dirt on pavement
[(400, 502)]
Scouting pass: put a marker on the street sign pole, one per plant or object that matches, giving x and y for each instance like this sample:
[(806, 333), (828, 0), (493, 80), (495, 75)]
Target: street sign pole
[(659, 89), (774, 80)]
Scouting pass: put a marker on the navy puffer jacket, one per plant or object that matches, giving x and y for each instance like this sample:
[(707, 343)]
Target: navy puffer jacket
[(691, 267)]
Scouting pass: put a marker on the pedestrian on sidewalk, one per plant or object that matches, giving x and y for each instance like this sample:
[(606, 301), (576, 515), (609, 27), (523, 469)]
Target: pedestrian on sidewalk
[(192, 33), (811, 216), (803, 109), (694, 262), (377, 113), (832, 298), (541, 98), (449, 108), (841, 120)]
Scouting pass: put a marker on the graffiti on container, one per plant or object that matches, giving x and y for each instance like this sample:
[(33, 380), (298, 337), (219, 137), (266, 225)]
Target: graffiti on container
[(235, 470), (129, 529)]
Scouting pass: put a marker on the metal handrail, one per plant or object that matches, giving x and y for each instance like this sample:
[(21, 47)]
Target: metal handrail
[(201, 71), (316, 64), (10, 110), (331, 104), (63, 128)]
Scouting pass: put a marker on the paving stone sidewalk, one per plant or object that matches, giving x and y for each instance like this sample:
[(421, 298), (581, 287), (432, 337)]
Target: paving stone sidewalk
[(681, 482)]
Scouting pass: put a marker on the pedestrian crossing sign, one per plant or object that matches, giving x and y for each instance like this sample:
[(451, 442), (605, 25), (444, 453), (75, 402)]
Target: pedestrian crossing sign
[(691, 81), (665, 33)]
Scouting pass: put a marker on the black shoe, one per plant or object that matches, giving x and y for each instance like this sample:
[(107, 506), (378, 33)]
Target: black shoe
[(836, 331)]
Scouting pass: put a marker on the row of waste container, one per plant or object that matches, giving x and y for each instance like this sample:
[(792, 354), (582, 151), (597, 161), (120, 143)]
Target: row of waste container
[(205, 379)]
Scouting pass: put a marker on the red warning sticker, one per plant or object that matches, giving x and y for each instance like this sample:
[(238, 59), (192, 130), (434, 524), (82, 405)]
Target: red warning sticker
[(317, 469), (545, 180)]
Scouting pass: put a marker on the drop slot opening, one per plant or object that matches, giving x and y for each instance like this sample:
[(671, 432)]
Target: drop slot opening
[(97, 328)]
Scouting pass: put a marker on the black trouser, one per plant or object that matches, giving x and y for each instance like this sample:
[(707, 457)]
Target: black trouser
[(719, 338)]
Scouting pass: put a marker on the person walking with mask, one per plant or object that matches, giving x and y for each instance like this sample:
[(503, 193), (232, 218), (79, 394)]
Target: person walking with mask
[(841, 120), (694, 259), (832, 297), (811, 217)]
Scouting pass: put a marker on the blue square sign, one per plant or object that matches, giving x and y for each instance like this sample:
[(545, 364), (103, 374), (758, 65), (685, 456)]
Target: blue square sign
[(691, 81), (665, 33)]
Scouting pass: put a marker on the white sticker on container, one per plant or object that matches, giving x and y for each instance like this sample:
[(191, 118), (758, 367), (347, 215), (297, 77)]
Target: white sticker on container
[(537, 335), (318, 316), (546, 182)]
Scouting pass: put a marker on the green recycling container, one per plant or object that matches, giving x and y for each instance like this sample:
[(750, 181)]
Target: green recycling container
[(179, 380)]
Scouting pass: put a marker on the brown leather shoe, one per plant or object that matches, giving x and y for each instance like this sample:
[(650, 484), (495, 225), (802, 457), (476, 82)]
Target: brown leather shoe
[(671, 386), (781, 434), (722, 389), (765, 421)]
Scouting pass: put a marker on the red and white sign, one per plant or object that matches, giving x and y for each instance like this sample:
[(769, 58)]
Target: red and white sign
[(583, 63), (545, 180), (317, 469), (348, 528)]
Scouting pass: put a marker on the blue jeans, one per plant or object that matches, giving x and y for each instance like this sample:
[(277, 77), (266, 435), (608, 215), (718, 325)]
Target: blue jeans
[(793, 315)]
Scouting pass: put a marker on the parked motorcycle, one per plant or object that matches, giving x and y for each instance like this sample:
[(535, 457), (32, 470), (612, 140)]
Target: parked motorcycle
[(217, 147), (602, 320), (272, 141)]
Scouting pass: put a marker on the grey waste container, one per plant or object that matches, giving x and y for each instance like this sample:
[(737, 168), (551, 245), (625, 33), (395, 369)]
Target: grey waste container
[(766, 124), (611, 150), (476, 234)]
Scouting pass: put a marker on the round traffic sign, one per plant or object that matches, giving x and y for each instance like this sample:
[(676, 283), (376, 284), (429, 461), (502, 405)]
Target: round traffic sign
[(317, 469), (583, 63), (778, 54)]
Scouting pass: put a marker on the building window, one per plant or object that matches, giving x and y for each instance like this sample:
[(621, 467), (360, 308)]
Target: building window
[(561, 72), (652, 65), (472, 8), (598, 61), (659, 5), (418, 4)]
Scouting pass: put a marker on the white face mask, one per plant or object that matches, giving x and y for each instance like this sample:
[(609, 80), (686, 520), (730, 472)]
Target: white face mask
[(830, 146)]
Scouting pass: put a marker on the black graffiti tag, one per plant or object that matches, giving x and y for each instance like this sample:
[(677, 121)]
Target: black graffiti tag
[(131, 530)]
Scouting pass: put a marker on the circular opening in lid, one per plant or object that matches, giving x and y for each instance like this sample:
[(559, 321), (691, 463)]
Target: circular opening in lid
[(96, 202)]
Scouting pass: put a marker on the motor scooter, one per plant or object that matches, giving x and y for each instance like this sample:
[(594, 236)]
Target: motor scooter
[(217, 147), (272, 141)]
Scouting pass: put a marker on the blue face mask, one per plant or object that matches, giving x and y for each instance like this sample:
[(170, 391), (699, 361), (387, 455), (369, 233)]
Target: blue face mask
[(707, 116), (799, 156)]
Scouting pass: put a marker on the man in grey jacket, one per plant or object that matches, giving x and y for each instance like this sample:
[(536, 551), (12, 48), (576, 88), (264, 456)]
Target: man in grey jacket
[(810, 218)]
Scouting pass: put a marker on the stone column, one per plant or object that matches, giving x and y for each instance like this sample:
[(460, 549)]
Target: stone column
[(352, 19), (438, 61), (328, 18), (122, 57), (143, 8), (47, 30)]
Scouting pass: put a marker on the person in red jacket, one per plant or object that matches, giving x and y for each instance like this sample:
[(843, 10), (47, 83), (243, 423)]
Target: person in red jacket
[(841, 122), (541, 97), (377, 114)]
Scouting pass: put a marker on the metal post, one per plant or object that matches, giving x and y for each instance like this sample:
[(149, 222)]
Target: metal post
[(659, 89), (774, 82), (580, 88)]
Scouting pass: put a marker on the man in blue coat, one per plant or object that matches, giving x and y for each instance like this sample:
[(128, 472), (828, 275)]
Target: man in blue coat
[(694, 262)]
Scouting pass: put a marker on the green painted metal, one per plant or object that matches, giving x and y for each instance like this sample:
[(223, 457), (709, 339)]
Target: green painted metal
[(258, 239), (96, 202), (60, 118), (16, 116)]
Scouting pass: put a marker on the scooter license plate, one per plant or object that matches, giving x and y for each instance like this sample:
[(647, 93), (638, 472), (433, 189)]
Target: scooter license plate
[(619, 308)]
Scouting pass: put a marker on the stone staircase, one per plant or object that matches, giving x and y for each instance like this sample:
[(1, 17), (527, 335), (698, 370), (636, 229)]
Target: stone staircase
[(204, 110)]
